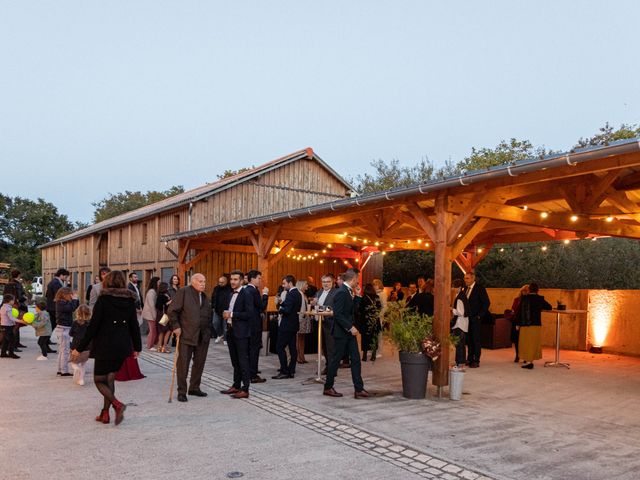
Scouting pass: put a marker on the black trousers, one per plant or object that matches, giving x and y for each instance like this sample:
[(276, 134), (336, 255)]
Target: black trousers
[(43, 342), (474, 342), (187, 353), (52, 317), (239, 353), (461, 346), (285, 339), (8, 341), (327, 340), (255, 344), (345, 346)]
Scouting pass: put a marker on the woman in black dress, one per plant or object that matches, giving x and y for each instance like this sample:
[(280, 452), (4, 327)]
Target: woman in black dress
[(369, 321), (113, 329)]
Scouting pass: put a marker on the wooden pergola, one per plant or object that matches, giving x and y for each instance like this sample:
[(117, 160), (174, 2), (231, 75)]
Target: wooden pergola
[(588, 192)]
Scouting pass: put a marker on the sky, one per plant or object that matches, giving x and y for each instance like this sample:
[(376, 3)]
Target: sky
[(99, 97)]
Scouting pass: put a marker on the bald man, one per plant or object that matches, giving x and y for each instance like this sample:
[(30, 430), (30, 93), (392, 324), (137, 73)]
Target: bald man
[(190, 314)]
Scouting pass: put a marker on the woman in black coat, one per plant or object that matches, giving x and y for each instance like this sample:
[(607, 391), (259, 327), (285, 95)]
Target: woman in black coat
[(113, 329), (369, 321)]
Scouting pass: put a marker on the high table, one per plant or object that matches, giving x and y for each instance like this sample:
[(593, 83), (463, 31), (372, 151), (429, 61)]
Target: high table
[(557, 362), (319, 316)]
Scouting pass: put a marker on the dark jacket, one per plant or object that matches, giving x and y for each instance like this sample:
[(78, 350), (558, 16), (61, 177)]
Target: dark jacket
[(52, 288), (64, 311), (244, 314), (328, 302), (15, 288), (220, 298), (530, 309), (187, 313), (77, 332), (114, 327), (290, 310), (369, 320), (161, 305), (138, 295), (479, 302), (260, 303), (344, 308), (422, 302)]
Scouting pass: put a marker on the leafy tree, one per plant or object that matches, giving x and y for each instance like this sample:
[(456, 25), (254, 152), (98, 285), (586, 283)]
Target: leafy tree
[(24, 225), (607, 134), (502, 154), (392, 175), (119, 203), (232, 173)]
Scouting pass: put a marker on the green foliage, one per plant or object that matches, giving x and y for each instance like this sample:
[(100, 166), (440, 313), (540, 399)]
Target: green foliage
[(607, 134), (119, 203), (232, 173), (24, 225), (501, 154), (393, 175), (407, 328)]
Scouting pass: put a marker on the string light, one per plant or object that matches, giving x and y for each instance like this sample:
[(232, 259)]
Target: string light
[(324, 250), (609, 219), (391, 245), (502, 249), (344, 234), (377, 244), (567, 241), (321, 261), (524, 207), (365, 241), (480, 250), (335, 261), (355, 239), (329, 245), (544, 214), (357, 260), (574, 218), (426, 244), (420, 240), (384, 253), (544, 248)]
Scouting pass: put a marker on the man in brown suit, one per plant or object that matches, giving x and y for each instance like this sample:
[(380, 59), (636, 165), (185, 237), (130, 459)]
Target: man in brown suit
[(190, 314)]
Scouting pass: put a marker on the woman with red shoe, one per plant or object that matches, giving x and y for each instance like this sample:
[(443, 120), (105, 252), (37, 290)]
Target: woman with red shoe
[(112, 331)]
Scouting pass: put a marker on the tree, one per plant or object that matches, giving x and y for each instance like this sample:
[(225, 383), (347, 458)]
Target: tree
[(392, 175), (502, 154), (233, 173), (119, 203), (25, 225), (607, 135)]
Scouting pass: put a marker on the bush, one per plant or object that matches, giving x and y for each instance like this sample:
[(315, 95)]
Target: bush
[(407, 327)]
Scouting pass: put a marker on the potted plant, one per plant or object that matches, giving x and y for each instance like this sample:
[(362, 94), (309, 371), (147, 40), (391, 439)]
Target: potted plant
[(407, 331)]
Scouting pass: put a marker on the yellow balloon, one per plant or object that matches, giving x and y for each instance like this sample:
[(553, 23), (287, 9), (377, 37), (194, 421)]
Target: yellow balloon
[(28, 317), (15, 313)]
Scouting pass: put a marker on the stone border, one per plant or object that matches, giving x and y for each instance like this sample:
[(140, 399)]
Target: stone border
[(385, 449)]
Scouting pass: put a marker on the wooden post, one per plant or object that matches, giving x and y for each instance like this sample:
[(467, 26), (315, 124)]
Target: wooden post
[(183, 248), (442, 289)]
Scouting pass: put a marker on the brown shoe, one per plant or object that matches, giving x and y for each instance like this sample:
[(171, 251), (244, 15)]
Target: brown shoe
[(240, 394), (230, 391), (331, 392), (361, 394)]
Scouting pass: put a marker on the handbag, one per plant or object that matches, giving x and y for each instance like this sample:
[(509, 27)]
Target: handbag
[(164, 320)]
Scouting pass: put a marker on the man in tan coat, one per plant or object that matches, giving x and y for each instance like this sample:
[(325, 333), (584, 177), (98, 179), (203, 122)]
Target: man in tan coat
[(190, 314)]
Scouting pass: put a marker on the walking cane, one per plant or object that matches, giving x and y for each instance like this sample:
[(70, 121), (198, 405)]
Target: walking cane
[(173, 370)]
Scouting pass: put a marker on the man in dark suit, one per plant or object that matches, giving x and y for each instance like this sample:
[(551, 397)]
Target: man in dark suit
[(239, 316), (254, 277), (324, 298), (345, 304), (288, 328), (479, 303), (190, 314)]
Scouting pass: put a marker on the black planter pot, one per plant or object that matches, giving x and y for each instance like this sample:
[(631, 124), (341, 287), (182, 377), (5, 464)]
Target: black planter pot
[(415, 368)]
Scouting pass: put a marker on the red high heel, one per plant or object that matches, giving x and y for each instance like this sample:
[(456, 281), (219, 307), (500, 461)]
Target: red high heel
[(119, 407), (104, 416)]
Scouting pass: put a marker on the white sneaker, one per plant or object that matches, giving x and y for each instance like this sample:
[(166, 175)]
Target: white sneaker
[(378, 355), (42, 357), (217, 340), (224, 343), (153, 349)]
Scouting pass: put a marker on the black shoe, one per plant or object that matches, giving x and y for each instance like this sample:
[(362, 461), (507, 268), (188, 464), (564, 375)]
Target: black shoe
[(364, 357), (528, 366), (19, 345), (66, 374), (4, 355), (324, 372), (182, 397), (517, 359), (258, 379), (59, 373), (282, 376), (52, 351), (17, 350), (13, 355), (198, 393)]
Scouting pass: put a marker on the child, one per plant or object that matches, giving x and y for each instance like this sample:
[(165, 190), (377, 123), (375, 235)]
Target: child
[(42, 325), (66, 302), (78, 330), (7, 322)]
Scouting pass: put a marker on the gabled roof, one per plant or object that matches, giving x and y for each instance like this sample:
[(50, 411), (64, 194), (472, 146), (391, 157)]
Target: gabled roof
[(198, 193)]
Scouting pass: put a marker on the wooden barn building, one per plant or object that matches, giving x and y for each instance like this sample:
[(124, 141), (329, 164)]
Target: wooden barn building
[(132, 241)]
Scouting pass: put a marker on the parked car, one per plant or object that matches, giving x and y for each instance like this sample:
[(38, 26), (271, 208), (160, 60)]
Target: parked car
[(36, 286)]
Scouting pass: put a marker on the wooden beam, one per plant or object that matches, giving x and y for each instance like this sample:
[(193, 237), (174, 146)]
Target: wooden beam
[(222, 247), (423, 220), (622, 202), (557, 221), (461, 224), (267, 240), (196, 259), (599, 190), (462, 242)]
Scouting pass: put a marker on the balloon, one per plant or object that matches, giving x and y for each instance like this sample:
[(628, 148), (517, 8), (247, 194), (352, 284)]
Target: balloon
[(28, 317), (15, 313)]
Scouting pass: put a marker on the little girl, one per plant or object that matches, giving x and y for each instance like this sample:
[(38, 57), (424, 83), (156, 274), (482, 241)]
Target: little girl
[(42, 325), (8, 323), (66, 303), (78, 330)]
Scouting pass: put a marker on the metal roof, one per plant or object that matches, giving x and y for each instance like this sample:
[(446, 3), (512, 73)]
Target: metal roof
[(572, 157), (196, 194)]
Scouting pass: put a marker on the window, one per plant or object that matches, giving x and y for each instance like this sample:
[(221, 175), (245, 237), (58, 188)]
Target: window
[(145, 233), (176, 223), (166, 273), (120, 238)]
